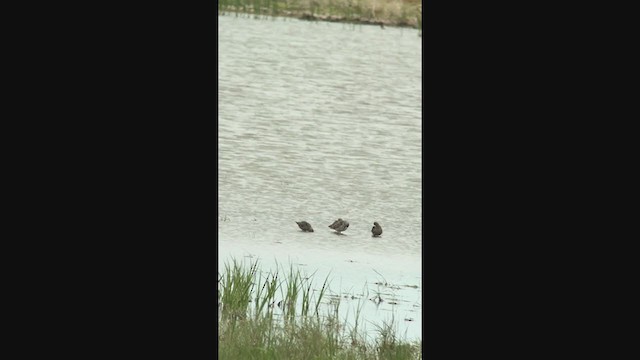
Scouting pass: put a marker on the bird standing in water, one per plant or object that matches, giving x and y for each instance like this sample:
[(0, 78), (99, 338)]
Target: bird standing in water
[(339, 225), (305, 226), (342, 227), (376, 230), (336, 223)]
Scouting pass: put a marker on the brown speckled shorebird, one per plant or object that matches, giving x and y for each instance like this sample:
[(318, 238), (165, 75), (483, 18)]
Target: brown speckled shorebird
[(336, 223), (342, 227), (376, 230), (305, 226), (339, 225)]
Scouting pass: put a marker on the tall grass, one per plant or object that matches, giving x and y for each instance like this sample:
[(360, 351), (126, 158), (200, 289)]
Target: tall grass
[(250, 328)]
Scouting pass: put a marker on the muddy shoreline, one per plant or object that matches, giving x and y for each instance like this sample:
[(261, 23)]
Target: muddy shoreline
[(309, 16), (357, 21)]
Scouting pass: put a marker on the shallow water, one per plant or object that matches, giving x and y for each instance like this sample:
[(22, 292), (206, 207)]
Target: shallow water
[(319, 121)]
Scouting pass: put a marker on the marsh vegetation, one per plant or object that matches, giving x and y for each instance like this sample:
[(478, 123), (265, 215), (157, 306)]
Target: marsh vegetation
[(285, 314)]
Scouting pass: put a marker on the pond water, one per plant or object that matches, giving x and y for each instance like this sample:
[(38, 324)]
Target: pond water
[(319, 121)]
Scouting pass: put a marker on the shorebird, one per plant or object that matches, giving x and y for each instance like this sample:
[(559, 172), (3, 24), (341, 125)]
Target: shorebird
[(376, 230), (305, 226), (342, 227), (339, 225), (336, 223)]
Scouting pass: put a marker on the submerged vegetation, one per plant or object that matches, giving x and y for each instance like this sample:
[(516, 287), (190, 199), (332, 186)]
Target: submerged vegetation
[(279, 316), (404, 13)]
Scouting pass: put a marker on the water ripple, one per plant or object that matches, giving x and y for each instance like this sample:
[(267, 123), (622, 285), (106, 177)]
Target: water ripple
[(318, 122)]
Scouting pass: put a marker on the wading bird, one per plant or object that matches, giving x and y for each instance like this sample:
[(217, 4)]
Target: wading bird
[(342, 227), (305, 226), (376, 230), (339, 225), (335, 223)]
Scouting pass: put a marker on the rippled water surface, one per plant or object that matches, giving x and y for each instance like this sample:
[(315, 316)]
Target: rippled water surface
[(319, 121)]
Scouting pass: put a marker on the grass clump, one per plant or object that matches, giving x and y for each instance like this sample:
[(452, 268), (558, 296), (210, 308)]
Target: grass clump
[(268, 316)]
